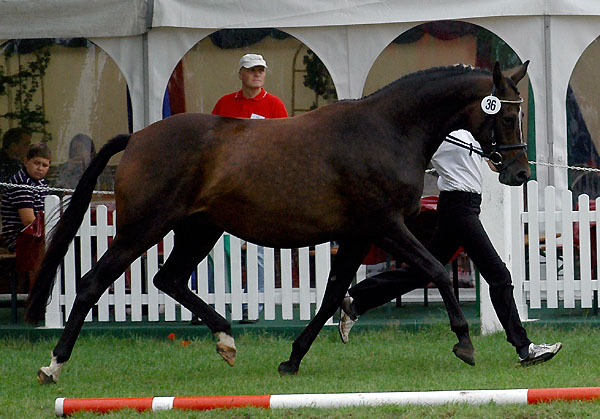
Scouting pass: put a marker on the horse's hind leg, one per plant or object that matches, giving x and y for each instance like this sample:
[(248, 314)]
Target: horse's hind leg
[(89, 289), (193, 241), (402, 243), (346, 262)]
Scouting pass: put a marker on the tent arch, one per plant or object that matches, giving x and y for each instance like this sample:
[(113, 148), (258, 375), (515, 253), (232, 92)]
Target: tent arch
[(166, 47), (127, 53)]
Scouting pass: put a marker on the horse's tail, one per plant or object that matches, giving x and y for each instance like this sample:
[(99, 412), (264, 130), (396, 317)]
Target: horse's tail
[(66, 229)]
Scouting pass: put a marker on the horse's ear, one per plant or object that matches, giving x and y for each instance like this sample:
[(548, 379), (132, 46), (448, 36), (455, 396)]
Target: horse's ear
[(498, 77), (516, 78)]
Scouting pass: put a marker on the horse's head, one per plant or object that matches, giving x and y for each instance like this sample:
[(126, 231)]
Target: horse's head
[(501, 132)]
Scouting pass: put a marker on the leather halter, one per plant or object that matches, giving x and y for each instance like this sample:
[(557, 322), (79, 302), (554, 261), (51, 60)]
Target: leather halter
[(493, 153)]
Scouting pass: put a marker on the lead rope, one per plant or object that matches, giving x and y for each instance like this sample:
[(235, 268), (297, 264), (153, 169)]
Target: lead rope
[(468, 146)]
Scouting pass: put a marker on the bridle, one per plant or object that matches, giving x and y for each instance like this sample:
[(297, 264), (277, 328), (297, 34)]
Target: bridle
[(494, 153)]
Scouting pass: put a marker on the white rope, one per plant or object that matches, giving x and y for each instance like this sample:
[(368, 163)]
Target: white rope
[(49, 189), (539, 163), (562, 166)]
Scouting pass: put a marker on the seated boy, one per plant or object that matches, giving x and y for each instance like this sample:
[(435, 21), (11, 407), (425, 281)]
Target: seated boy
[(20, 206)]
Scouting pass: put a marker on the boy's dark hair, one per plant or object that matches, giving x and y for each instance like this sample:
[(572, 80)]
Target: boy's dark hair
[(13, 136), (39, 150)]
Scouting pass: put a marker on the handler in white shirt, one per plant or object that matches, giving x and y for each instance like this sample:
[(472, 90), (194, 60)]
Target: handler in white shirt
[(459, 169), (458, 225)]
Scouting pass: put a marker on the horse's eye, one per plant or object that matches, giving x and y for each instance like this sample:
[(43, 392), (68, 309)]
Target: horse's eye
[(508, 120)]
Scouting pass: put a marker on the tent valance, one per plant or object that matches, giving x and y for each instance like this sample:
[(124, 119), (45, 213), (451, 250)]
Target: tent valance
[(292, 13), (21, 19)]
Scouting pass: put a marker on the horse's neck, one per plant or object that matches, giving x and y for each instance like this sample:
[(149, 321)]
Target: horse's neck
[(436, 109)]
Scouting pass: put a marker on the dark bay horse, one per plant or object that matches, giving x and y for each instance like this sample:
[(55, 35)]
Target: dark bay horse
[(351, 172)]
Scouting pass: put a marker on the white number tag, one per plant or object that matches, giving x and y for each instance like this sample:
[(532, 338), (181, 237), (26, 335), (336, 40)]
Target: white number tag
[(491, 105)]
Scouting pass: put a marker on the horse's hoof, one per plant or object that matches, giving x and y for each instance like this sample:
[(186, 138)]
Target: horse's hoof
[(465, 353), (227, 352), (45, 378), (226, 347), (286, 368)]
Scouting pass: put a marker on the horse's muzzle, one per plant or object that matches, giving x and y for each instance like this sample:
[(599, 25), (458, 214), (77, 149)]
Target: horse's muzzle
[(514, 179)]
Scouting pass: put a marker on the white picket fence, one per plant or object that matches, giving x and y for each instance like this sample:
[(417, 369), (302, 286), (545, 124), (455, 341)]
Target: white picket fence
[(133, 297), (552, 267)]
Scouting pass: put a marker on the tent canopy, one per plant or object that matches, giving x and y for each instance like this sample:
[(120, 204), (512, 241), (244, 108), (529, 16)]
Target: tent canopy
[(108, 18)]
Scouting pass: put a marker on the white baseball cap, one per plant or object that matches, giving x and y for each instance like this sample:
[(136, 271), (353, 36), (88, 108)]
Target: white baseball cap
[(252, 60)]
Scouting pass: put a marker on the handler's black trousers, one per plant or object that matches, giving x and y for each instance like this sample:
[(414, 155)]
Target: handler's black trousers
[(458, 225)]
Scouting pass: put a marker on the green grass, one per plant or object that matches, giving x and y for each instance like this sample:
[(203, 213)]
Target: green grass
[(373, 361)]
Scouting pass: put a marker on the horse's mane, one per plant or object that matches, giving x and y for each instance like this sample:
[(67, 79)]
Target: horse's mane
[(433, 73)]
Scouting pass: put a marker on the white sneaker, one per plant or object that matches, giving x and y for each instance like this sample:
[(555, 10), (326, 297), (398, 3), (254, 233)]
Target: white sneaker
[(540, 353), (347, 318)]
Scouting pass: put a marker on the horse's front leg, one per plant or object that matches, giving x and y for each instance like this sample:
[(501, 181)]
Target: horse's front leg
[(403, 244), (346, 262)]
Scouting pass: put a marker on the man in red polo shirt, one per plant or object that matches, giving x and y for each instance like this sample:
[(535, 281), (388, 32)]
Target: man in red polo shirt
[(252, 101)]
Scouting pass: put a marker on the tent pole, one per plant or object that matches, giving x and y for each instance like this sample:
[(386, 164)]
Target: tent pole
[(549, 98)]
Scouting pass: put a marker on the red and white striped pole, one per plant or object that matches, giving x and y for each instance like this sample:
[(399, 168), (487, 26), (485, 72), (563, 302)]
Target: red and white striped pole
[(65, 406)]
